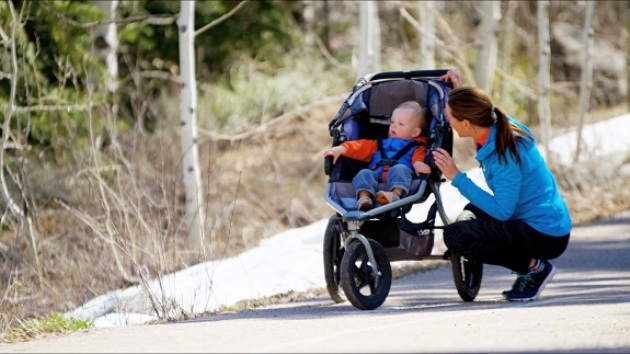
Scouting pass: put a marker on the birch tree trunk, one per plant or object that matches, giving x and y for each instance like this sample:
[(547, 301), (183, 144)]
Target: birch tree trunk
[(427, 36), (195, 204), (587, 73), (105, 42), (310, 21), (624, 80), (487, 47), (369, 39), (326, 25), (544, 67), (506, 52)]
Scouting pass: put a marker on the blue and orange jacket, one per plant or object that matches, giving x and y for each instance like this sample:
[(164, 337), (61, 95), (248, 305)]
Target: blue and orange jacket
[(367, 151)]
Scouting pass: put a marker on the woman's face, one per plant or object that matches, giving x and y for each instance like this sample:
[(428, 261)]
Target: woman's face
[(459, 126)]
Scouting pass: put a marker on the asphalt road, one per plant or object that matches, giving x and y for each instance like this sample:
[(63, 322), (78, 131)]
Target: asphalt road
[(585, 309)]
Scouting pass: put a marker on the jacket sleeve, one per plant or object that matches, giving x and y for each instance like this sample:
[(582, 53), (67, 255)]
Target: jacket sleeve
[(361, 149), (501, 202), (420, 153)]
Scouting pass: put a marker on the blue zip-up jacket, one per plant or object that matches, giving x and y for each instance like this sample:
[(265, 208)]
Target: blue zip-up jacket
[(526, 192), (391, 146)]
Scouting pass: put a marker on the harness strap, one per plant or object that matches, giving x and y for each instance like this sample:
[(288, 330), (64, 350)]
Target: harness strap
[(387, 162)]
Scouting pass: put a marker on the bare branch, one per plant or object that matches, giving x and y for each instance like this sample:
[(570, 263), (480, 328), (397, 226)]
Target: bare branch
[(6, 130), (5, 38), (46, 108), (221, 19), (262, 128), (526, 91), (104, 235), (153, 74), (454, 49), (326, 53), (161, 20)]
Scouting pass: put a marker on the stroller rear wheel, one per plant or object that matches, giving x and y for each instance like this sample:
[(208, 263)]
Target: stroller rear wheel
[(333, 253), (467, 275), (364, 289)]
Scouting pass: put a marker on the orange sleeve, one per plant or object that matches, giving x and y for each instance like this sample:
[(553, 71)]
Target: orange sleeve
[(361, 149), (420, 153)]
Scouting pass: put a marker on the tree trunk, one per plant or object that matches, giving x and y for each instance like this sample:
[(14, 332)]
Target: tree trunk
[(326, 26), (427, 36), (195, 205), (506, 52), (310, 22), (544, 67), (624, 81), (587, 73), (369, 39), (487, 45), (105, 42)]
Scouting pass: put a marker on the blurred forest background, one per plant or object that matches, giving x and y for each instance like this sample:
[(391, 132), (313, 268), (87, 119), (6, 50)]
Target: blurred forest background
[(92, 191)]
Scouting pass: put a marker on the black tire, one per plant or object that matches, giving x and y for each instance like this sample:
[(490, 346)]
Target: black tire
[(333, 253), (364, 289), (467, 275)]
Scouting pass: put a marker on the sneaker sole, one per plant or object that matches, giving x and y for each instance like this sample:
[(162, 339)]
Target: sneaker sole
[(540, 289)]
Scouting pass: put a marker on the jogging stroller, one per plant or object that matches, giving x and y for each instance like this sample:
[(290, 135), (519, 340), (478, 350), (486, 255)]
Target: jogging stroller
[(359, 246)]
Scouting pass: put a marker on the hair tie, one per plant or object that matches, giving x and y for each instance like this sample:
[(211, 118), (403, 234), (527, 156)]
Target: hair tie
[(493, 112)]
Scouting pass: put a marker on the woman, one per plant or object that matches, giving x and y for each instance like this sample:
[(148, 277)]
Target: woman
[(524, 222)]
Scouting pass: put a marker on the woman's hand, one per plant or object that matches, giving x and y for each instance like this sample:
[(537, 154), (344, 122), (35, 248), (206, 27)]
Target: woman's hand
[(453, 77), (445, 163)]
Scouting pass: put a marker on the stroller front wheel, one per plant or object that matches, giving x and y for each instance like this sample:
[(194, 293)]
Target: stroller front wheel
[(364, 289)]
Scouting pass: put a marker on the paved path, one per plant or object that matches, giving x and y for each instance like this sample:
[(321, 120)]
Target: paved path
[(585, 309)]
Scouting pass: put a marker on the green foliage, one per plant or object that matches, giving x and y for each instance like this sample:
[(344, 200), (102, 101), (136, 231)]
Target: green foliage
[(53, 52), (55, 323), (253, 91), (55, 62), (54, 29), (259, 29)]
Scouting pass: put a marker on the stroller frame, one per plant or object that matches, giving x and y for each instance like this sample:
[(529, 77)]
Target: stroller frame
[(356, 262)]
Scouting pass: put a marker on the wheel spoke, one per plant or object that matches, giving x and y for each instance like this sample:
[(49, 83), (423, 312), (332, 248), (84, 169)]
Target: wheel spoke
[(373, 285), (360, 282)]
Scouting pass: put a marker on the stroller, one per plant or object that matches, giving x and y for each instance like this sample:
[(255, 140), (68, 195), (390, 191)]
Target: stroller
[(358, 245)]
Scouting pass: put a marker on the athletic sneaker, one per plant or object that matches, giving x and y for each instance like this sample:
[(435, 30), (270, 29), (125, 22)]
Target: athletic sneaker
[(528, 287), (507, 291)]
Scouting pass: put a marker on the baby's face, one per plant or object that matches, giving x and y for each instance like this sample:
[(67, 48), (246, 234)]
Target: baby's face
[(404, 125)]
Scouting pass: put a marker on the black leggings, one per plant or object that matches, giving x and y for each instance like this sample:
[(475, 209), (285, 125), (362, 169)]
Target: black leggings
[(511, 244)]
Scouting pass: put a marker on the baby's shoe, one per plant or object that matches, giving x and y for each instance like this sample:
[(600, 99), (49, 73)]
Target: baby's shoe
[(365, 203), (383, 197)]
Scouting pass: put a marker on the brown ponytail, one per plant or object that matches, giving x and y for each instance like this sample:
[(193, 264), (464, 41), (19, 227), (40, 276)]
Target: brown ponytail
[(474, 105)]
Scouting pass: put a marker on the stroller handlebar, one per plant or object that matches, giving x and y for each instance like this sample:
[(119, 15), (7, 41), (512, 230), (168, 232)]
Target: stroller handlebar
[(405, 74)]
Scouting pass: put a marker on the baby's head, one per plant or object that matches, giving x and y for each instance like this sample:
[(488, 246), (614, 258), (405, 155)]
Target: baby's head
[(408, 121)]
